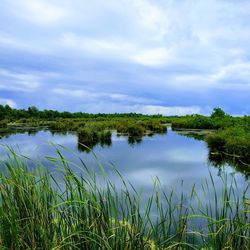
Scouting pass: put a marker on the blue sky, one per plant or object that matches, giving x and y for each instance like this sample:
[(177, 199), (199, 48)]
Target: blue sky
[(161, 56)]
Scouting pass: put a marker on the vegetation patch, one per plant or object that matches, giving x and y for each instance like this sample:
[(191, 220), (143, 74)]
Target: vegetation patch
[(89, 138), (3, 123), (39, 212), (231, 138), (232, 141)]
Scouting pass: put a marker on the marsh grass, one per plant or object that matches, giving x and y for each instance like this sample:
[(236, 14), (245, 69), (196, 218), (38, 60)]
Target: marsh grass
[(90, 137), (39, 211)]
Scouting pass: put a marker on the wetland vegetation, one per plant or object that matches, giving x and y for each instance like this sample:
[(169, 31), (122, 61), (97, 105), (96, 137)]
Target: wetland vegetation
[(39, 211), (231, 138)]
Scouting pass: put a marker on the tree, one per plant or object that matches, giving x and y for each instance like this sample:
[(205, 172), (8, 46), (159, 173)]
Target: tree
[(218, 113), (8, 111), (33, 111), (2, 112)]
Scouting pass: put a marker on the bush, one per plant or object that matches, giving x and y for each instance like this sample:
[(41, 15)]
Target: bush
[(87, 136), (136, 130), (3, 123), (215, 142), (234, 141), (90, 137)]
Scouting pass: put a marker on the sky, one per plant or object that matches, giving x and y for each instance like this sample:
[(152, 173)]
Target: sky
[(171, 57)]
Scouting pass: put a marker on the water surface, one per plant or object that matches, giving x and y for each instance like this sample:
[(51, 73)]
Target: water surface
[(170, 157)]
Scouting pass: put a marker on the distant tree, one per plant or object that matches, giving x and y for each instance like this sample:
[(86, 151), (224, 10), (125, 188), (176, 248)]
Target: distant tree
[(33, 111), (218, 113), (8, 111), (7, 108), (2, 112)]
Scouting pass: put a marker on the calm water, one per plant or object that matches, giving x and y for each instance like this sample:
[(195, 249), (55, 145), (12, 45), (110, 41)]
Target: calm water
[(171, 157)]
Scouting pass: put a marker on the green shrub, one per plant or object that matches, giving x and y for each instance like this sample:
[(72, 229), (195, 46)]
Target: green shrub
[(3, 123), (136, 130), (234, 141), (90, 137), (216, 142), (87, 136)]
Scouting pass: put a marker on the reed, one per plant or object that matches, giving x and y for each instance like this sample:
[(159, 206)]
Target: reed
[(74, 211)]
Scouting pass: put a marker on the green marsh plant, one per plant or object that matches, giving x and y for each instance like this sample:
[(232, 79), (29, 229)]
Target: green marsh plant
[(73, 211)]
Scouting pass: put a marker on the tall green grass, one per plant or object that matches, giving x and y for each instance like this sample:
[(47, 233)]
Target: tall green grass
[(73, 211)]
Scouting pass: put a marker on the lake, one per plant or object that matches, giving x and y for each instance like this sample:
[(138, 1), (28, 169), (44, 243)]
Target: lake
[(178, 161)]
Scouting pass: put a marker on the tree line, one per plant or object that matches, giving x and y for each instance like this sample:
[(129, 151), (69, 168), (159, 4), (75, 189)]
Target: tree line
[(6, 112)]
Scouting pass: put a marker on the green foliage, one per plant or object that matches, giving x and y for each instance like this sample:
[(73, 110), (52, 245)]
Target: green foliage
[(131, 129), (204, 122), (67, 125), (218, 113), (232, 135), (89, 138), (93, 131), (193, 122), (39, 212), (33, 112), (105, 137), (3, 123), (216, 142), (136, 130), (156, 126), (233, 141), (139, 128), (91, 128)]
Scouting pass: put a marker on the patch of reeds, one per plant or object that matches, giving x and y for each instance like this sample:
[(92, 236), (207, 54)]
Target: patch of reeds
[(73, 211), (90, 137)]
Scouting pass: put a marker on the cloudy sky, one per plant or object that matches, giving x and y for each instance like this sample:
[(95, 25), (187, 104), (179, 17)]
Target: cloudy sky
[(146, 56)]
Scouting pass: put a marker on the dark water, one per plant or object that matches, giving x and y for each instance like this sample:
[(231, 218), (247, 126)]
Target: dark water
[(170, 157)]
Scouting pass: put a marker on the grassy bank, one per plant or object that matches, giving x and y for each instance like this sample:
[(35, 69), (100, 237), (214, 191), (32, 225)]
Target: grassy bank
[(39, 212), (231, 138), (231, 143)]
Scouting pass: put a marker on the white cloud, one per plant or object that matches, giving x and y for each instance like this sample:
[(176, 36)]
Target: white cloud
[(240, 70), (154, 48), (153, 57), (95, 45), (73, 93), (4, 101), (152, 17), (39, 11), (115, 102), (165, 110), (24, 81), (118, 49), (144, 109), (12, 42), (84, 95), (7, 39)]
